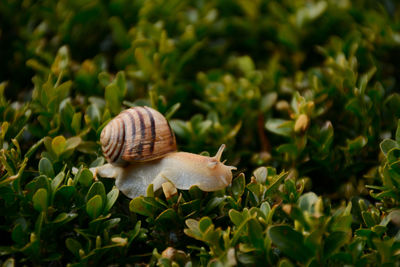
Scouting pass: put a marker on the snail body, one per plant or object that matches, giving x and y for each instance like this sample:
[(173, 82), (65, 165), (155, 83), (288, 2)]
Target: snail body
[(145, 153)]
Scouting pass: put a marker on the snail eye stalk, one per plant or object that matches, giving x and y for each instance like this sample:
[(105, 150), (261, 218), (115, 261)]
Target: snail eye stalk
[(219, 152)]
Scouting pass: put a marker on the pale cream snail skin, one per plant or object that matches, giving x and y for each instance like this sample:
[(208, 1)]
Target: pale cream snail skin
[(141, 150)]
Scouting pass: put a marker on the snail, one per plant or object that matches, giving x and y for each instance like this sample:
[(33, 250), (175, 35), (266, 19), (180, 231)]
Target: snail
[(140, 148)]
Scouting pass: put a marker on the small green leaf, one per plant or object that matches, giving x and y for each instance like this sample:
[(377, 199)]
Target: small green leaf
[(3, 128), (379, 229), (368, 220), (290, 187), (261, 174), (33, 148), (193, 230), (42, 181), (121, 83), (265, 208), (94, 206), (310, 12), (61, 61), (291, 149), (73, 245), (39, 223), (195, 192), (213, 203), (76, 122), (58, 145), (268, 101), (146, 66), (275, 183), (238, 185), (85, 177), (180, 128), (135, 232), (64, 217), (326, 137), (40, 200), (393, 103), (112, 98), (168, 219), (104, 78), (290, 242), (172, 110), (18, 235), (10, 262), (307, 202), (387, 145), (150, 190), (73, 142), (65, 192), (334, 242), (256, 235), (191, 207), (97, 189), (111, 223), (280, 127), (365, 78), (204, 224), (55, 183), (94, 116), (236, 217), (97, 162), (385, 248), (46, 167), (246, 64), (111, 198), (143, 207), (356, 144)]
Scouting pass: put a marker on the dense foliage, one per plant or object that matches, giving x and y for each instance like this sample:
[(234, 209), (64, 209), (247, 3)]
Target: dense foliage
[(303, 93)]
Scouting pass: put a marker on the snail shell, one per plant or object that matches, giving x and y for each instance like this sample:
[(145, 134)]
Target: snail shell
[(135, 135)]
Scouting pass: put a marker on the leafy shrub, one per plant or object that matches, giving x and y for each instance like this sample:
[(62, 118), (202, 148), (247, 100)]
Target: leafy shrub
[(304, 94)]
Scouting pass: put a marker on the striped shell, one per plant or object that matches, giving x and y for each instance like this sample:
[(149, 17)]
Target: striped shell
[(137, 134)]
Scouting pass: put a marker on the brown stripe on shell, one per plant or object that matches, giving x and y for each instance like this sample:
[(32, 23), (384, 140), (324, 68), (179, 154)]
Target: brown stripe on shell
[(109, 150), (119, 141), (104, 134), (152, 128), (165, 140), (114, 129), (142, 133), (133, 126), (109, 136)]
